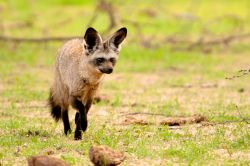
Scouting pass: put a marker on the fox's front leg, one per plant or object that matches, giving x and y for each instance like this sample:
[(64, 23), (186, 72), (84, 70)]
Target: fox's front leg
[(78, 132), (66, 123), (80, 118)]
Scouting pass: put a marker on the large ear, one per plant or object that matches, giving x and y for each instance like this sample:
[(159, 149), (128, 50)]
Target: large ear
[(92, 39), (117, 38)]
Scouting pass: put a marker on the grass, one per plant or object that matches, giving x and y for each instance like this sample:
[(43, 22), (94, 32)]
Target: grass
[(145, 80)]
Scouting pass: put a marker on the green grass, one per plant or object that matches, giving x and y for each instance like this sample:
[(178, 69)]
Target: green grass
[(155, 80)]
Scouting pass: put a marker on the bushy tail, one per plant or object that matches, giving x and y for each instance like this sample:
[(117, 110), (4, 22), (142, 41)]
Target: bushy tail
[(55, 108)]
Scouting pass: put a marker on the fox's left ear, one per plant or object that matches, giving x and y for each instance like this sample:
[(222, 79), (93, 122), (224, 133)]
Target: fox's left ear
[(117, 38)]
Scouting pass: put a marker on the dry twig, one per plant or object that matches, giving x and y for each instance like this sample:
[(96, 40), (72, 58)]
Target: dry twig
[(241, 74)]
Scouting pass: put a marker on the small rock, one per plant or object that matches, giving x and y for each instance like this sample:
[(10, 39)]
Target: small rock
[(45, 161), (105, 156)]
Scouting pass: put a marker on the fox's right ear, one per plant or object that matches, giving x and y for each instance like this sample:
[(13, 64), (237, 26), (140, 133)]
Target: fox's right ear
[(92, 40)]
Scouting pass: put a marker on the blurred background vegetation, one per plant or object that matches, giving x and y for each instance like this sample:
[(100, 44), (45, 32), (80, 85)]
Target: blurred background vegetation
[(156, 28), (148, 21)]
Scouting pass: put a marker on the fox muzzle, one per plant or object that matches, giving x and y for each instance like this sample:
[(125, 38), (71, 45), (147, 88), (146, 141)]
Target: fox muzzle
[(107, 70)]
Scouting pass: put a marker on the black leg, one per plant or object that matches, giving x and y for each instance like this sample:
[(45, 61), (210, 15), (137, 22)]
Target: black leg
[(80, 119), (84, 121), (83, 115), (77, 117), (78, 132), (66, 124)]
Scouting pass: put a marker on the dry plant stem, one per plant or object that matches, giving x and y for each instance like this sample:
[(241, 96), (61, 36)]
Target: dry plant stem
[(242, 73)]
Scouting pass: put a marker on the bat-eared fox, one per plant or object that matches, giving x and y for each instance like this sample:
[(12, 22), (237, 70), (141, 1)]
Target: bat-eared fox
[(80, 66)]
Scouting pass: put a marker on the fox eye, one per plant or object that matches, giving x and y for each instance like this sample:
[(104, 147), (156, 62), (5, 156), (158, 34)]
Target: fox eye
[(100, 60), (112, 60)]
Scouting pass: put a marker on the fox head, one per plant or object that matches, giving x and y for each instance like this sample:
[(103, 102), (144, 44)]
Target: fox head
[(102, 55)]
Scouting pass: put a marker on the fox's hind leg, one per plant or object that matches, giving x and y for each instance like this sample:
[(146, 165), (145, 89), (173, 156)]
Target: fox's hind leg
[(59, 111)]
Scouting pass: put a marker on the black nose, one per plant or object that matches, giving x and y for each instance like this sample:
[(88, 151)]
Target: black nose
[(109, 71)]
